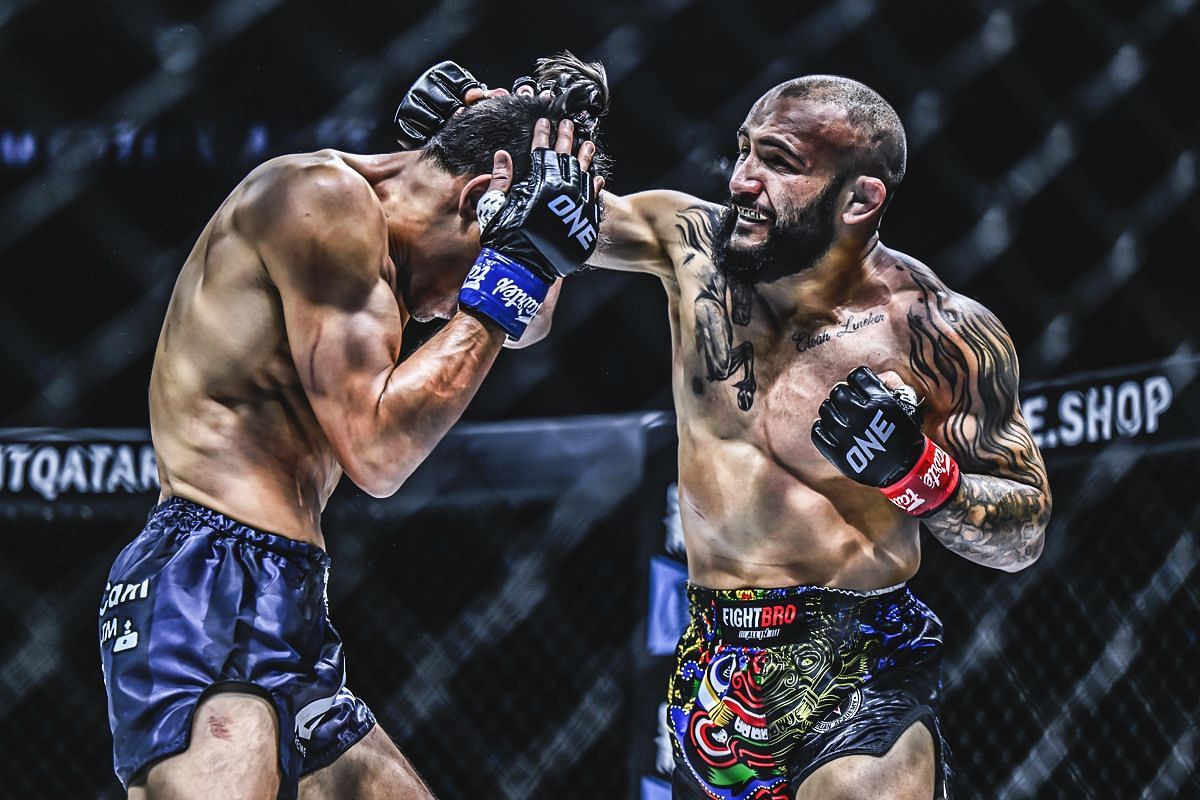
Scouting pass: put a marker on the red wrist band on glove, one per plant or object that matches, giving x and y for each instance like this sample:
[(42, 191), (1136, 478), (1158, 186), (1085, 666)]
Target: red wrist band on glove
[(929, 485)]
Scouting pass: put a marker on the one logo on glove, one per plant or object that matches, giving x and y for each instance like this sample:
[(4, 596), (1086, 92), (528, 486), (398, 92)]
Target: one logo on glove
[(878, 431), (515, 297), (572, 215)]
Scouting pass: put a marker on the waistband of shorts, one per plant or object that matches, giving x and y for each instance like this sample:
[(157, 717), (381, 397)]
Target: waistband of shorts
[(817, 596), (292, 549)]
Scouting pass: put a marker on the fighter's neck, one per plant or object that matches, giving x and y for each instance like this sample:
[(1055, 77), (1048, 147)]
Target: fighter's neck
[(844, 277), (415, 196)]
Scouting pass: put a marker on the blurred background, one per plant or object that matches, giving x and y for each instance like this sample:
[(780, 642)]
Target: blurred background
[(506, 619)]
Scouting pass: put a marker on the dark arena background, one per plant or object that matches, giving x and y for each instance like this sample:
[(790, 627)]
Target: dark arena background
[(508, 613)]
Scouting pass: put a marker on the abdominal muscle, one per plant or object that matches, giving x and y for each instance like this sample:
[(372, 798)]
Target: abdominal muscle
[(749, 522), (231, 425), (253, 468)]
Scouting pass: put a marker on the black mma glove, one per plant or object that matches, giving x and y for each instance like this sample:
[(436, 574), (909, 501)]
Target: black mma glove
[(549, 221), (544, 229), (430, 101), (873, 436)]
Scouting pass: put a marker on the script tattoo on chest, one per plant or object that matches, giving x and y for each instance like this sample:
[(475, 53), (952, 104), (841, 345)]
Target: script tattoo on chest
[(807, 340), (720, 304)]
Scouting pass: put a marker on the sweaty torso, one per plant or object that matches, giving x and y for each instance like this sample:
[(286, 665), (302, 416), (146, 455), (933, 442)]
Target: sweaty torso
[(760, 505), (232, 427)]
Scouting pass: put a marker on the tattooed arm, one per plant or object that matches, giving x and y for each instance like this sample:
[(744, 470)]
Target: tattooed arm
[(966, 360), (639, 231)]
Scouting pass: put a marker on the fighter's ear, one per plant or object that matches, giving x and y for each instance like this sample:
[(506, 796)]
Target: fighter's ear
[(470, 194), (866, 202)]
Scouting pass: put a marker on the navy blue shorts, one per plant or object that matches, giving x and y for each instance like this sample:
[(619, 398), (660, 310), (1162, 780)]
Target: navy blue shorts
[(198, 601)]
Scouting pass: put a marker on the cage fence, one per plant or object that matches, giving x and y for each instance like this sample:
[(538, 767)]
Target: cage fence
[(496, 618)]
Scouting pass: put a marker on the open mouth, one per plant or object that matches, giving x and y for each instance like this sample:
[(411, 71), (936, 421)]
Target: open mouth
[(750, 215)]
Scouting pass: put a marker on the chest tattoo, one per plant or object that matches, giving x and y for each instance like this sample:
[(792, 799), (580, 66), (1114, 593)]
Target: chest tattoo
[(807, 340), (720, 304)]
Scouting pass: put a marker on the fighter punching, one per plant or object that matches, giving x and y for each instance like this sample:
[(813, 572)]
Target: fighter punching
[(833, 396)]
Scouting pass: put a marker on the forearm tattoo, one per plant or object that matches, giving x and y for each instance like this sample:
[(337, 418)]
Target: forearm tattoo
[(719, 305), (993, 521), (1003, 503)]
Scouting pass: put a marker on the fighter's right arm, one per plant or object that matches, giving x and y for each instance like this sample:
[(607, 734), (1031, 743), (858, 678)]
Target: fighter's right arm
[(637, 231), (322, 239)]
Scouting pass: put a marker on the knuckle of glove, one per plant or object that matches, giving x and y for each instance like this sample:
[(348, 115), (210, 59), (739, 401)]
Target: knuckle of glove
[(568, 165), (431, 101), (863, 374), (842, 396), (548, 166), (418, 111), (455, 78), (821, 440), (409, 136), (439, 98), (832, 418)]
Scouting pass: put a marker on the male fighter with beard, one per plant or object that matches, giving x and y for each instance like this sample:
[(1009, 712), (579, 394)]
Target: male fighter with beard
[(809, 669), (277, 370)]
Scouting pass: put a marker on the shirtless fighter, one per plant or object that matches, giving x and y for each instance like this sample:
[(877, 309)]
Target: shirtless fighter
[(277, 370), (809, 669)]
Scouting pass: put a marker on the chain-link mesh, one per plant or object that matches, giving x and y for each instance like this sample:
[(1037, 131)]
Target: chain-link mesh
[(493, 625), (1077, 678), (489, 618), (1052, 164), (1052, 175)]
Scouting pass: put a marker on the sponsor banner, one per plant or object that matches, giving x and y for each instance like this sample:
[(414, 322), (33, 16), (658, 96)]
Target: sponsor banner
[(1154, 404), (1151, 403), (53, 464)]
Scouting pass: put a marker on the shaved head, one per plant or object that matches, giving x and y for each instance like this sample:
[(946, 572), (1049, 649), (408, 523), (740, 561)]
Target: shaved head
[(819, 158), (878, 146)]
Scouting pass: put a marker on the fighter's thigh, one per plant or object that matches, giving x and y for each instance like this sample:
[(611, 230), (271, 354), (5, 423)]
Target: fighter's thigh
[(372, 769), (233, 753), (905, 772)]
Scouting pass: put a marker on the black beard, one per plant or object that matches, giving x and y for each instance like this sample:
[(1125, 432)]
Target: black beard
[(791, 246)]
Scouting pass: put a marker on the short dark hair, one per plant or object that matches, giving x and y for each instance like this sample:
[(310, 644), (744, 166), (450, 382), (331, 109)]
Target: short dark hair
[(466, 143), (882, 150)]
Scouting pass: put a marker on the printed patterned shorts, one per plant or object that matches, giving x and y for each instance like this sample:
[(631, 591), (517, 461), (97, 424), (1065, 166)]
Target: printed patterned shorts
[(770, 684)]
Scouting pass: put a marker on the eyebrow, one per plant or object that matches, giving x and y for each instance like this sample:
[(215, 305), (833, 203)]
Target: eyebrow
[(772, 141), (780, 144)]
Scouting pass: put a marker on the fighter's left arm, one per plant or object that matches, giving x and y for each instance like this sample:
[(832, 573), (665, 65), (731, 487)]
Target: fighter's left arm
[(967, 364)]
